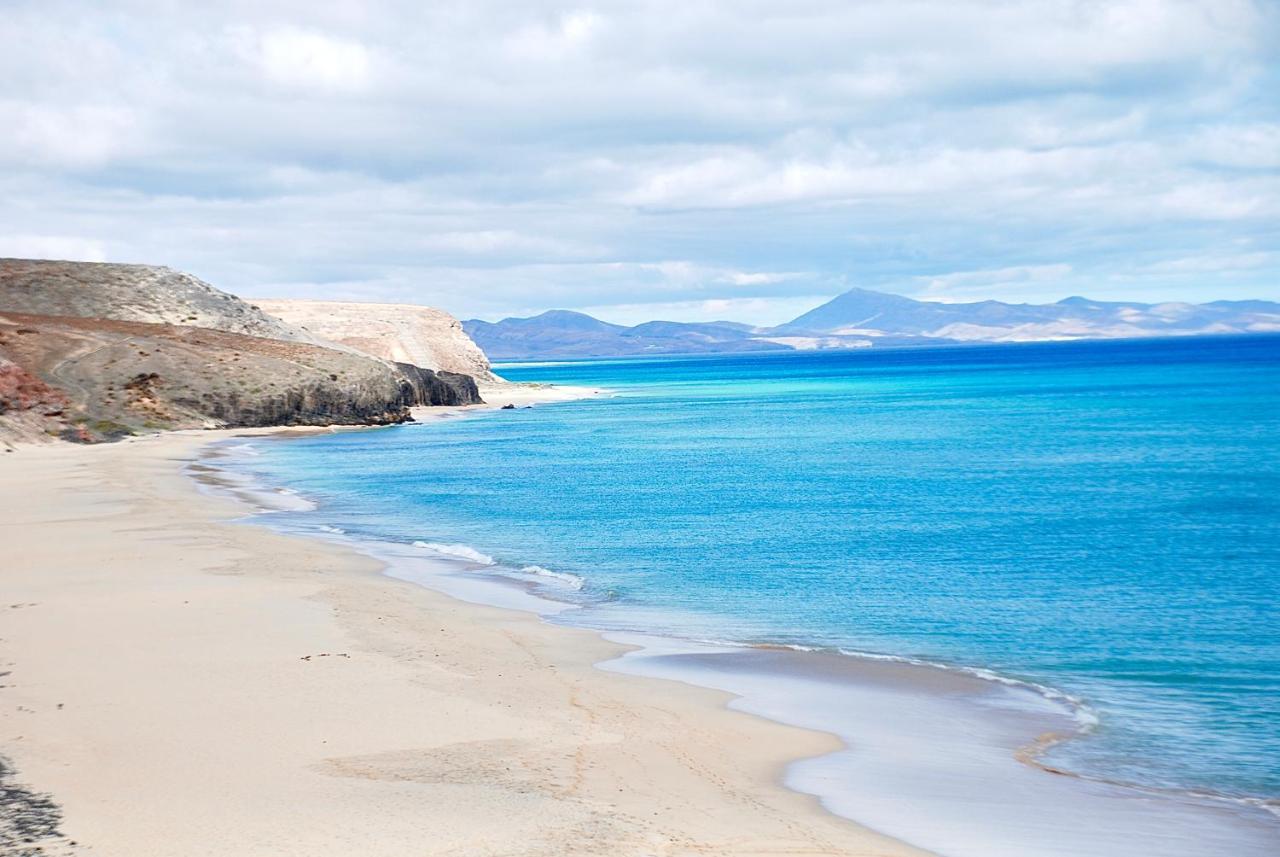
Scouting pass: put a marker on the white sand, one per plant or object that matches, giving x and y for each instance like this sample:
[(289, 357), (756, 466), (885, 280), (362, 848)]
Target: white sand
[(182, 685)]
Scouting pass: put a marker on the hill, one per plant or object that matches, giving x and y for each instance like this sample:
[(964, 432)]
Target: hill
[(95, 352), (403, 333), (144, 293)]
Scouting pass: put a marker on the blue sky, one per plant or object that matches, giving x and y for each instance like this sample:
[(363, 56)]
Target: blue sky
[(686, 160)]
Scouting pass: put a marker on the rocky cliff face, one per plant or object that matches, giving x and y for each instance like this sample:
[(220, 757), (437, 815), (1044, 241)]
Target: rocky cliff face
[(95, 364), (401, 333), (439, 388)]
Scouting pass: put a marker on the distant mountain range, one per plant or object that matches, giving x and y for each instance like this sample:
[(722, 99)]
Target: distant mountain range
[(861, 318), (561, 333)]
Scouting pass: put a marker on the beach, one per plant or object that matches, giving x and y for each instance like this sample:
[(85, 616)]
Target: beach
[(249, 642), (180, 684)]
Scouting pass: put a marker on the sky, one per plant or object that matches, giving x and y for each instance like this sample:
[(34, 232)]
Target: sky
[(694, 160)]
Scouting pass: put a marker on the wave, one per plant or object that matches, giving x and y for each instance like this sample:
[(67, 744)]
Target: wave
[(1086, 718), (459, 551), (335, 530), (563, 578)]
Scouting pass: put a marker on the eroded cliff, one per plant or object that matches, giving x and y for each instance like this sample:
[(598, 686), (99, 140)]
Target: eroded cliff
[(403, 333)]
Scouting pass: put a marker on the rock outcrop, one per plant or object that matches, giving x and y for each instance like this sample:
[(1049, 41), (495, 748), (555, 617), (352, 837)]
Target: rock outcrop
[(402, 333), (28, 406), (89, 354), (439, 388)]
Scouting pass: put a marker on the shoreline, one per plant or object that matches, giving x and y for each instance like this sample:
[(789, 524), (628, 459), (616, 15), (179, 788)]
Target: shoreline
[(728, 679), (181, 683), (1205, 823)]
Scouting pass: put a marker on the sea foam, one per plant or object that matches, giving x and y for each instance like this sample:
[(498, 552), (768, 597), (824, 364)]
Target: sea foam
[(561, 578), (459, 551)]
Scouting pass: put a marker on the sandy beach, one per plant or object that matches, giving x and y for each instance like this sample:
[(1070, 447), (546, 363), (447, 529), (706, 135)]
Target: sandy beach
[(179, 684)]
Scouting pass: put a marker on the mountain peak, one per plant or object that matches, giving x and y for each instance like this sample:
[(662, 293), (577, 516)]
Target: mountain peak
[(566, 319), (852, 309)]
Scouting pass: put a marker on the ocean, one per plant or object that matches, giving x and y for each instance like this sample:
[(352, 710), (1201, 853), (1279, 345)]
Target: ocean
[(1098, 521)]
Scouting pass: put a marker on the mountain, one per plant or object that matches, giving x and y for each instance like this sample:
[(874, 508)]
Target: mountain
[(404, 333), (560, 333), (96, 352), (873, 315), (860, 318)]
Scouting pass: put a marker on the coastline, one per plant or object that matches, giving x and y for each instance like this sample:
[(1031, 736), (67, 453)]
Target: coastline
[(180, 683), (981, 762), (983, 752)]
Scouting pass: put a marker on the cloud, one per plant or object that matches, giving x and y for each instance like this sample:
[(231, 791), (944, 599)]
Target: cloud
[(1201, 265), (1247, 146), (960, 285), (761, 312), (539, 42), (497, 158), (498, 243), (753, 278), (67, 247), (295, 58), (72, 136)]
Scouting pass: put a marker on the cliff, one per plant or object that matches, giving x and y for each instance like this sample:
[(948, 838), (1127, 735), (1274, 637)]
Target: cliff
[(90, 352), (439, 388), (403, 333)]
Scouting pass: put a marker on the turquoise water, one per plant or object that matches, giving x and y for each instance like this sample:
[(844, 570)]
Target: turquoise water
[(1100, 518)]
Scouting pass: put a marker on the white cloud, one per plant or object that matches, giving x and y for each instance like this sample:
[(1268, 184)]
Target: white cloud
[(499, 158), (493, 242), (302, 59), (754, 278), (1251, 146), (1211, 264), (962, 285), (66, 247), (761, 312), (75, 136), (568, 35)]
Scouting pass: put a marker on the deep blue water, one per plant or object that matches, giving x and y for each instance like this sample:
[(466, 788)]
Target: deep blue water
[(1103, 518)]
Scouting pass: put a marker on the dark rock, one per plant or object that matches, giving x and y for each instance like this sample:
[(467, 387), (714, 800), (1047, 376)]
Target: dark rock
[(428, 387), (29, 820)]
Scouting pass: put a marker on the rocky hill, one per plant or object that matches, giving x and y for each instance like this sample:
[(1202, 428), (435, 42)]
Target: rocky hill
[(145, 293), (89, 352), (404, 333)]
